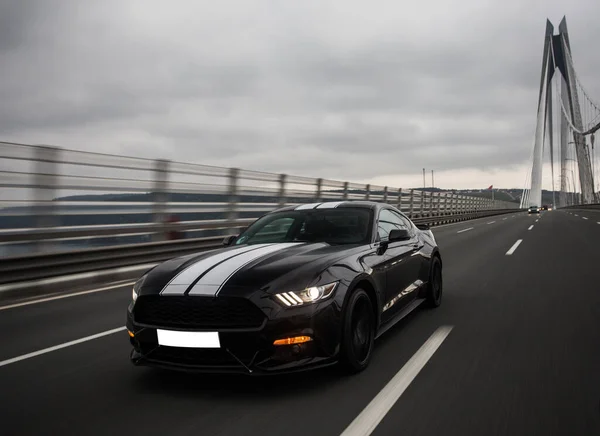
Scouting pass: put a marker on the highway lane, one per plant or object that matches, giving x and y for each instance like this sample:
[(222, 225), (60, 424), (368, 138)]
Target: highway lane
[(37, 326), (482, 380), (589, 214), (527, 363), (55, 322)]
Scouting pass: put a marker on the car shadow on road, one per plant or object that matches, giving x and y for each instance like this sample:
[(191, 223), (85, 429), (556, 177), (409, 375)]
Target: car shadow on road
[(214, 386), (182, 383)]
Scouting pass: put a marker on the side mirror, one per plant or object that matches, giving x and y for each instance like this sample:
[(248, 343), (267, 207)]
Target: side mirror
[(399, 235), (422, 226), (229, 240)]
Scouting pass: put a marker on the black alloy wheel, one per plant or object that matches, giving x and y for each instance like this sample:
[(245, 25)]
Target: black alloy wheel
[(358, 333), (435, 286)]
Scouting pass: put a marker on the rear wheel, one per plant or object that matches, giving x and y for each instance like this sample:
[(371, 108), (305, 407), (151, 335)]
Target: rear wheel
[(435, 286), (358, 332)]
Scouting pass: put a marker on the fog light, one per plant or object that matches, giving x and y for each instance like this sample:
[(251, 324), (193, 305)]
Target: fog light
[(293, 340)]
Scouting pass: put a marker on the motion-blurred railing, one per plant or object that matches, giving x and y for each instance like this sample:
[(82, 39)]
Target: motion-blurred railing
[(76, 205)]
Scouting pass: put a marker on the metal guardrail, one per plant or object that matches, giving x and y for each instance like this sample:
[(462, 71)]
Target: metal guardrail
[(47, 265), (582, 206), (75, 206)]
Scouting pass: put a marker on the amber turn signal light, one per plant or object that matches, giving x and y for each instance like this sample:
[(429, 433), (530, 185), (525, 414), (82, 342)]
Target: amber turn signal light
[(131, 335), (293, 340)]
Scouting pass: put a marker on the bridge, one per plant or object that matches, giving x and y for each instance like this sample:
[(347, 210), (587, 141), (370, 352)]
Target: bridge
[(578, 120), (521, 294)]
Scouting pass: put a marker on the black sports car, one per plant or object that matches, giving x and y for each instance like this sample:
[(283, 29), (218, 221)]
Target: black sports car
[(300, 288)]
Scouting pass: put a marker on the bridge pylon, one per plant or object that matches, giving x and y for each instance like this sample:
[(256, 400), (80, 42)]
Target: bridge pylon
[(557, 56)]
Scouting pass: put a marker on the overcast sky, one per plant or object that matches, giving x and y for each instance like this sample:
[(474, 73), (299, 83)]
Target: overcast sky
[(352, 90)]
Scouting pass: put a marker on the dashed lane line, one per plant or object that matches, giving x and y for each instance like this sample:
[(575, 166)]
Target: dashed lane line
[(514, 247), (465, 230), (366, 422), (530, 227)]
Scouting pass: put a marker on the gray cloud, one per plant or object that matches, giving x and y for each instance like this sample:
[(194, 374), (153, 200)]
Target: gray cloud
[(335, 89)]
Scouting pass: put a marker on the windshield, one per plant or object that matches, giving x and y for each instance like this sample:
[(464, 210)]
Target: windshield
[(333, 226)]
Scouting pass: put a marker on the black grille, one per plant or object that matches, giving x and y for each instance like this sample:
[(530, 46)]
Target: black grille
[(197, 312)]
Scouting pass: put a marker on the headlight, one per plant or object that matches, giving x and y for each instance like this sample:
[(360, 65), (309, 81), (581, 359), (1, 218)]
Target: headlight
[(136, 288), (306, 296)]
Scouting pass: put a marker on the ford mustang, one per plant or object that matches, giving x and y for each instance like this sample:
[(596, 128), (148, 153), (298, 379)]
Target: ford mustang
[(302, 287)]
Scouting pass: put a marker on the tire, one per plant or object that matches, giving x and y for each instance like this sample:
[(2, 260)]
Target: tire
[(435, 287), (358, 332)]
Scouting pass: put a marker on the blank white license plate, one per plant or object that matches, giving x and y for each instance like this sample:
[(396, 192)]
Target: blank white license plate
[(173, 338)]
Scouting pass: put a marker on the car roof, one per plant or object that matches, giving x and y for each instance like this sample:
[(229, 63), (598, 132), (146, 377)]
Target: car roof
[(334, 205)]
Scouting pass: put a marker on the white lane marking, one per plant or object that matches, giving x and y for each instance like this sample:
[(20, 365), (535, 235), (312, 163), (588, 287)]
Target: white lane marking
[(514, 247), (503, 219), (576, 215), (530, 227), (513, 216), (465, 230), (584, 217), (598, 222), (371, 416), (474, 220), (60, 297), (491, 222), (58, 347)]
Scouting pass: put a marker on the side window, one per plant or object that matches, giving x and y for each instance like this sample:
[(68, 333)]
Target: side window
[(406, 223), (388, 221)]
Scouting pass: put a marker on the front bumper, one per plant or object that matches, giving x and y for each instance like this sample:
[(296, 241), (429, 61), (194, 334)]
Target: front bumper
[(248, 350)]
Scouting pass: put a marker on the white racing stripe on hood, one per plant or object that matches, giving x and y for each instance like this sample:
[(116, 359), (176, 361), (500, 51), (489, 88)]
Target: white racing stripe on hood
[(307, 206), (216, 278), (181, 281), (330, 205)]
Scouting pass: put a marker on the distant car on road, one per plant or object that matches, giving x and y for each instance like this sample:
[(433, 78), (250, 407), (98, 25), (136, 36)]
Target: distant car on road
[(533, 209), (545, 207), (302, 287)]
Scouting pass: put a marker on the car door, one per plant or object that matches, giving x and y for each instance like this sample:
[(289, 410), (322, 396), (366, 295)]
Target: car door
[(402, 261)]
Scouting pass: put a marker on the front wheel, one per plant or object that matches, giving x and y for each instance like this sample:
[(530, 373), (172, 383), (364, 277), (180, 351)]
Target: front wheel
[(435, 286), (358, 332)]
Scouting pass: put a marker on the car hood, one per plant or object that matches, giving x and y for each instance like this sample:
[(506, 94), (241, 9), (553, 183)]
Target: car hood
[(237, 271)]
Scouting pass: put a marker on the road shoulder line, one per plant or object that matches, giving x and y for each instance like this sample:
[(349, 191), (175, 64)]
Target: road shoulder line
[(371, 416), (58, 347)]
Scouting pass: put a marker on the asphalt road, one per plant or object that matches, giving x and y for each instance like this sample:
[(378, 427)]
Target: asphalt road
[(522, 358)]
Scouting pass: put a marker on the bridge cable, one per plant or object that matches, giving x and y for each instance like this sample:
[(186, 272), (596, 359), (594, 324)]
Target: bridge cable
[(569, 59)]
